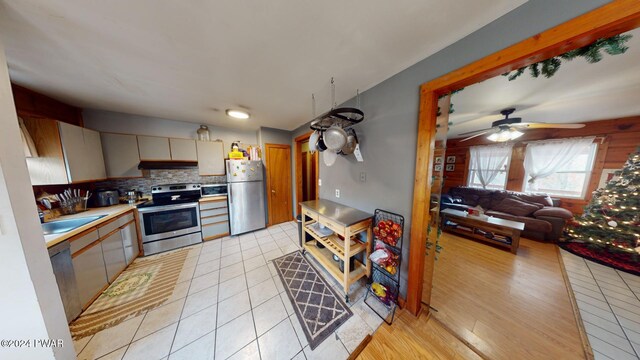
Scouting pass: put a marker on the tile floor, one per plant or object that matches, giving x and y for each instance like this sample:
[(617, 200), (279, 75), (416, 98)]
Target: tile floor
[(229, 303), (609, 305)]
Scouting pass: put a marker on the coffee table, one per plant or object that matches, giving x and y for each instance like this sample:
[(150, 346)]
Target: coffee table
[(496, 231)]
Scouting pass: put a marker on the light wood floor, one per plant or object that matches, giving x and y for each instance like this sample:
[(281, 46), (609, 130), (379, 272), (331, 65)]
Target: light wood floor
[(415, 338), (506, 306)]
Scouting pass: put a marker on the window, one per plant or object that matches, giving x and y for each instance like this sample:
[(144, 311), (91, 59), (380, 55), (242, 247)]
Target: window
[(489, 166), (569, 179)]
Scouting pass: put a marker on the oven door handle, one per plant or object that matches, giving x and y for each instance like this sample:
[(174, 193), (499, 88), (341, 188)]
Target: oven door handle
[(168, 207)]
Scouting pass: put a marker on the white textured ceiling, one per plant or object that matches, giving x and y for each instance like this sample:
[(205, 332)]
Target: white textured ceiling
[(579, 92), (191, 60)]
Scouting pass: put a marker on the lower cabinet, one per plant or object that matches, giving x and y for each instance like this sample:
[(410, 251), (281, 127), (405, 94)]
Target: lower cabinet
[(113, 252), (214, 218), (91, 274), (99, 255), (130, 242)]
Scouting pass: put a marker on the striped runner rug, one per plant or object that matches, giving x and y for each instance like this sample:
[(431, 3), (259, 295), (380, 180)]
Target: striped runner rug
[(144, 285)]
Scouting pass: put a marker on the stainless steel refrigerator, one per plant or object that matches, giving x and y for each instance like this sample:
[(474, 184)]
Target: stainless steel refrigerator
[(245, 196)]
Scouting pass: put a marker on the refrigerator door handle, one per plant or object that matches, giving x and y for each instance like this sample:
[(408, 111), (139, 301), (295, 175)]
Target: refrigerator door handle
[(230, 194)]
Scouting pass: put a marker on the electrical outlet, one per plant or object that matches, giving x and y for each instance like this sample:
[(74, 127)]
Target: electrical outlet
[(337, 193), (319, 182), (363, 176)]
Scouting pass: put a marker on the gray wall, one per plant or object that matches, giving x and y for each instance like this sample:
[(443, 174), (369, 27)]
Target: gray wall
[(388, 135), (109, 121)]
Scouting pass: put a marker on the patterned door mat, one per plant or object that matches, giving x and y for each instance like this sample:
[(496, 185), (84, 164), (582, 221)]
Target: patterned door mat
[(320, 310), (144, 285)]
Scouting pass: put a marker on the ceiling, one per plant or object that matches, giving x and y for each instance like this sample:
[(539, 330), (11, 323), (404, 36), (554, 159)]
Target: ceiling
[(579, 92), (191, 60)]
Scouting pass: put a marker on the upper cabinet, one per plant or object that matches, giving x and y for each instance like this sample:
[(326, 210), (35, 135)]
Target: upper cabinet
[(121, 156), (154, 148), (82, 152), (210, 157), (183, 150), (67, 153)]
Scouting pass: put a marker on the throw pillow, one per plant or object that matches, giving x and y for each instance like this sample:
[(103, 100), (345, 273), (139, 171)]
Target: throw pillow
[(515, 207)]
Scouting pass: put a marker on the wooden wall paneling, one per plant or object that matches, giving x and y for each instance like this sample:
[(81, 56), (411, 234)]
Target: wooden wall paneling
[(32, 104), (515, 178), (613, 18)]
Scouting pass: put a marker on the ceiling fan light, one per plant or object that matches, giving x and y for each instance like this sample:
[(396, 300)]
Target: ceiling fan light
[(505, 135), (237, 114)]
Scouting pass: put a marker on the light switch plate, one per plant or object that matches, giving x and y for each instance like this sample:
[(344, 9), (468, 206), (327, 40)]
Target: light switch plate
[(319, 182), (337, 193), (363, 176)]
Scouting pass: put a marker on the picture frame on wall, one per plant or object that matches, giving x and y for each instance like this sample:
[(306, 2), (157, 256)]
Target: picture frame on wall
[(438, 160), (437, 167), (451, 159), (450, 167)]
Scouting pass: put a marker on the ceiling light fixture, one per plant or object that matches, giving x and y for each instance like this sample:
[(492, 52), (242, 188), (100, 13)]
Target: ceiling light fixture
[(505, 135), (238, 114)]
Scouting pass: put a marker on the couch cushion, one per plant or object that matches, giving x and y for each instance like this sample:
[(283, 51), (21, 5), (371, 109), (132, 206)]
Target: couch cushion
[(530, 224), (515, 207), (536, 198), (553, 212)]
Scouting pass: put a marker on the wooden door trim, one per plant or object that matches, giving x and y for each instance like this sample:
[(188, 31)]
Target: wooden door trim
[(267, 147), (613, 18), (298, 180)]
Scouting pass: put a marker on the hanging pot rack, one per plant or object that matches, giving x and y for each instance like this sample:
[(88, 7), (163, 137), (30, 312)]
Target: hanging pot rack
[(344, 117)]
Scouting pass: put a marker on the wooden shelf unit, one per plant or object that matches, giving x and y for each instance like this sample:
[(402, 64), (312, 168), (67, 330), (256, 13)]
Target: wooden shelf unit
[(333, 247)]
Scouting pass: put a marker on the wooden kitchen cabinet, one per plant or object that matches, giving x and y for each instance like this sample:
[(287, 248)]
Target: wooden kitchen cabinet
[(154, 148), (121, 157), (183, 149), (91, 273), (210, 158), (66, 153)]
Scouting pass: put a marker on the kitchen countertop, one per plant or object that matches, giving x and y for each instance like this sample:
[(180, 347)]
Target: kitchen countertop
[(213, 198), (343, 215), (109, 211)]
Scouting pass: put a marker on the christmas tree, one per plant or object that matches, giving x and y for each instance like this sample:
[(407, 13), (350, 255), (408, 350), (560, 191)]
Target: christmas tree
[(612, 218)]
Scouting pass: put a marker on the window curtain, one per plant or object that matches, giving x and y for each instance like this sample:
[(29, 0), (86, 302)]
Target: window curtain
[(489, 160), (544, 158)]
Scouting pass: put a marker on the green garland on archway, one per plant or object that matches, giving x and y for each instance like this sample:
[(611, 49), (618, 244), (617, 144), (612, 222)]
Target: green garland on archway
[(614, 45)]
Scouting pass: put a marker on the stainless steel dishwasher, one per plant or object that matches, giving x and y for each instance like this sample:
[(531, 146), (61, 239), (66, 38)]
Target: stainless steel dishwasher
[(60, 256)]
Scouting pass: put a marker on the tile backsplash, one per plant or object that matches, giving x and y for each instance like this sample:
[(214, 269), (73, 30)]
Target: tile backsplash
[(160, 177)]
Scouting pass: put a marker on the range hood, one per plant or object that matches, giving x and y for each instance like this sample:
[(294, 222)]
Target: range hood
[(167, 165)]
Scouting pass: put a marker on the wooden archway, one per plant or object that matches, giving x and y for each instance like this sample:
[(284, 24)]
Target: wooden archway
[(614, 18)]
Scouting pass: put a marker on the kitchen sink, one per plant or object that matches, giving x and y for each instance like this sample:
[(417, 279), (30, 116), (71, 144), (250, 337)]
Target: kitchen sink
[(62, 226)]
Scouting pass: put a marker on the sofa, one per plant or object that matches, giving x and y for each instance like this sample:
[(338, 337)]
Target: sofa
[(543, 219)]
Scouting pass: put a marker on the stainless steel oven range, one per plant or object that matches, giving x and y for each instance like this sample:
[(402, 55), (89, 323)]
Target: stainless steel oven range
[(172, 219)]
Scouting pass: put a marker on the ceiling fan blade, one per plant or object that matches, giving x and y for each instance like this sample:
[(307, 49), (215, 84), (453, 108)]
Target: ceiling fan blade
[(547, 126), (475, 131), (488, 131)]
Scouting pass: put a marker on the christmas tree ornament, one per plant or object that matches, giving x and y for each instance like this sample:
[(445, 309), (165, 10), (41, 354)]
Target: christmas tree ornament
[(612, 223)]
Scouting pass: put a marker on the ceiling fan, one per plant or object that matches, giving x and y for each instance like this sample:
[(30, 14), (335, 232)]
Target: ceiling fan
[(508, 128)]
